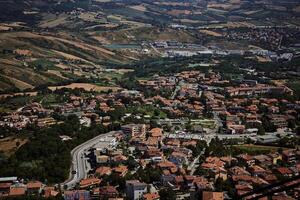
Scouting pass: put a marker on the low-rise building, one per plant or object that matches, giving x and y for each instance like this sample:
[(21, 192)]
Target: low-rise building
[(135, 189)]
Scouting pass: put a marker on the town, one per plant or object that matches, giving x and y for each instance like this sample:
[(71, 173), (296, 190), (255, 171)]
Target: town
[(189, 134), (149, 100)]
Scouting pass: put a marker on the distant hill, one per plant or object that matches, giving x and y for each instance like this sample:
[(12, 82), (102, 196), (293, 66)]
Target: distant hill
[(60, 40)]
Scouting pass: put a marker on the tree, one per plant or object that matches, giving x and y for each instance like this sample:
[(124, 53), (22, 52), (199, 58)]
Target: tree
[(167, 194), (131, 163), (261, 130)]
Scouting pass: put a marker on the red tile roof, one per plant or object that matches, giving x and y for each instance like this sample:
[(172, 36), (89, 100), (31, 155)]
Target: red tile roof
[(17, 191)]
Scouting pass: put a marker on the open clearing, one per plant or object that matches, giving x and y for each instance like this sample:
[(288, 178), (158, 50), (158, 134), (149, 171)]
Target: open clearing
[(10, 145)]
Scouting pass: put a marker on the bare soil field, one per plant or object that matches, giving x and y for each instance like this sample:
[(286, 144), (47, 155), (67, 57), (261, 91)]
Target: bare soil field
[(211, 33), (140, 7), (70, 56), (85, 86)]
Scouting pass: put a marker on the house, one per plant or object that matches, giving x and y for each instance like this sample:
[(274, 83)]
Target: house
[(34, 187), (156, 132), (279, 121), (89, 182), (200, 183), (4, 188), (121, 170), (236, 129), (101, 171), (256, 170), (101, 159), (263, 160), (50, 192), (236, 170), (151, 196), (208, 195), (247, 159), (77, 195), (44, 122), (178, 158), (289, 156), (284, 171), (220, 172), (119, 158), (270, 178), (17, 191), (243, 188), (135, 189), (108, 192), (134, 129)]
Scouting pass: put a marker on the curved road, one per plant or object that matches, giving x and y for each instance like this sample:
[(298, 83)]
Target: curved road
[(79, 163)]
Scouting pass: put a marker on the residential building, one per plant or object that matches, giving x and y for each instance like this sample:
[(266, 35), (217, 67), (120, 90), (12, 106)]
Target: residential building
[(135, 189)]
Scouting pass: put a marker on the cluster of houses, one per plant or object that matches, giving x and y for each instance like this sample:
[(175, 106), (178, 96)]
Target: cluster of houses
[(173, 159), (196, 93), (140, 146), (32, 113), (14, 187), (192, 94), (273, 37)]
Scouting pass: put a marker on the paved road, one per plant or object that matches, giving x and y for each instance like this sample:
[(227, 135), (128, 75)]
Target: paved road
[(79, 162)]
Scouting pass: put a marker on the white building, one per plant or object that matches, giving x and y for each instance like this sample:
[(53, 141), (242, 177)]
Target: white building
[(135, 189)]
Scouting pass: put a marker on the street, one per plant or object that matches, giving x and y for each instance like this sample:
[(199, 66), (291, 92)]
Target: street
[(79, 162)]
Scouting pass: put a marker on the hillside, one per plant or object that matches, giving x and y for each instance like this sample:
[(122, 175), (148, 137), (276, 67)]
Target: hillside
[(55, 41)]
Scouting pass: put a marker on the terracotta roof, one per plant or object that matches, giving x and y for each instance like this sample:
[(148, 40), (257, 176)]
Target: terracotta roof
[(34, 185), (89, 181), (156, 132), (50, 191), (166, 164), (17, 191), (120, 169), (103, 170), (5, 185), (213, 195), (284, 170), (151, 196)]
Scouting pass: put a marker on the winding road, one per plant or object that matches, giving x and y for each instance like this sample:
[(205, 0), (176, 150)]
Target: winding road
[(79, 162)]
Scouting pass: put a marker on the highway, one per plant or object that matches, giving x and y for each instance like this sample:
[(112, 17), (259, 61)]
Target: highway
[(79, 162)]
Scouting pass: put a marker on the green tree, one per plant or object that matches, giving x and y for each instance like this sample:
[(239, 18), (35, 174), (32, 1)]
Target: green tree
[(167, 194)]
